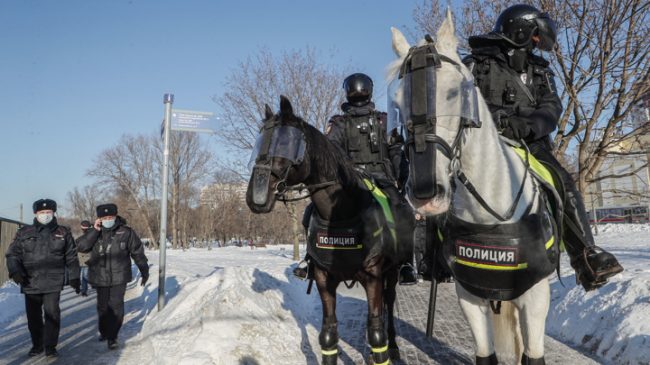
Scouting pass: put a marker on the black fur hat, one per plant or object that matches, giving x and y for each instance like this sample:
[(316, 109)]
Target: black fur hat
[(86, 225), (105, 210), (44, 204)]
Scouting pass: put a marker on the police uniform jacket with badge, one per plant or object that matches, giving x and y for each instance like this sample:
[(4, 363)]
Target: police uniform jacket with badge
[(41, 253), (111, 251), (361, 134), (528, 96)]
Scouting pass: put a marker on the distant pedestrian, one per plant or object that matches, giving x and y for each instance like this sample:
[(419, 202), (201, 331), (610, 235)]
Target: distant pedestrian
[(83, 258), (112, 244), (37, 259)]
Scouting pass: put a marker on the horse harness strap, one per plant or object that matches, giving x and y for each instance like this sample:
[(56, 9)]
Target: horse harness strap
[(511, 211)]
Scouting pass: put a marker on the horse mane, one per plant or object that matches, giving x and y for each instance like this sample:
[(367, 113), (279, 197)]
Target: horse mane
[(331, 161)]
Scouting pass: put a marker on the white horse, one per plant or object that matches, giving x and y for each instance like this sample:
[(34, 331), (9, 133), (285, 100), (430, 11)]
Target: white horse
[(440, 109)]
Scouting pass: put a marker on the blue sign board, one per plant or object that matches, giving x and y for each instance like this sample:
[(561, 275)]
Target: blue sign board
[(193, 121)]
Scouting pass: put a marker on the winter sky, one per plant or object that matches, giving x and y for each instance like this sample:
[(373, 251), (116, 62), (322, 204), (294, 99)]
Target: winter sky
[(77, 75)]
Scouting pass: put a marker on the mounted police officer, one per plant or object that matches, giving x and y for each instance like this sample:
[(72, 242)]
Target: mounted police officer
[(360, 132), (519, 89), (112, 244), (37, 259)]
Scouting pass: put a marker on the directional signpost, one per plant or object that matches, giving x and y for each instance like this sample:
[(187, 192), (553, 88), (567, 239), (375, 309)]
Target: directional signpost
[(193, 121), (176, 120)]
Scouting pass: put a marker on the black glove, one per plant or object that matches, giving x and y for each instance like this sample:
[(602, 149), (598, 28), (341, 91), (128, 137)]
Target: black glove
[(76, 284), (144, 272), (19, 278), (515, 128), (395, 139)]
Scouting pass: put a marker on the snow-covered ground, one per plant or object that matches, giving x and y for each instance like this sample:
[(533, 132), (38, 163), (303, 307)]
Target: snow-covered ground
[(614, 321), (241, 306)]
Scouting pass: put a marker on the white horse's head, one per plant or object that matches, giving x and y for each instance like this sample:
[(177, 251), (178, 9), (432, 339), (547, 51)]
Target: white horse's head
[(432, 99)]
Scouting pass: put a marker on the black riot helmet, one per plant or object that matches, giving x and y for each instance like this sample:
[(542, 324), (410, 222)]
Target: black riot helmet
[(519, 23), (358, 89)]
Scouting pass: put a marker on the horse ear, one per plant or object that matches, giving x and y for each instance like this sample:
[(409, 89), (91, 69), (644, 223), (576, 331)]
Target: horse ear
[(400, 45), (268, 113), (446, 37), (285, 106)]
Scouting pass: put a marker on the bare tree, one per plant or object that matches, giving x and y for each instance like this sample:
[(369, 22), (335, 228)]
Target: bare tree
[(84, 201), (189, 164), (601, 60), (132, 168), (313, 87)]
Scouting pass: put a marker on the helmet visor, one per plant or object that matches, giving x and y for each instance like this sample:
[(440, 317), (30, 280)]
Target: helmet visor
[(285, 142), (546, 31)]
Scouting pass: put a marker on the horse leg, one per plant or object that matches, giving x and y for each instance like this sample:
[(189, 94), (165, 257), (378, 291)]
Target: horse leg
[(390, 294), (328, 338), (533, 308), (477, 313), (374, 285)]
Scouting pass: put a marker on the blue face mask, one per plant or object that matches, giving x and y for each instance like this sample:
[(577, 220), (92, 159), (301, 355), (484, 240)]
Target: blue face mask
[(44, 218), (109, 223)]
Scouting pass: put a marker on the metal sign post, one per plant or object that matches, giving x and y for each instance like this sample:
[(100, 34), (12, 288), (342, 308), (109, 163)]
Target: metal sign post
[(168, 100)]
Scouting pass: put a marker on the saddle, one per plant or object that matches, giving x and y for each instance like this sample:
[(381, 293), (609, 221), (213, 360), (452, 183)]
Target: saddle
[(501, 262), (346, 246)]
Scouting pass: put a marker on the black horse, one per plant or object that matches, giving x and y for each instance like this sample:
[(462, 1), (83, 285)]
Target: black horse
[(352, 232)]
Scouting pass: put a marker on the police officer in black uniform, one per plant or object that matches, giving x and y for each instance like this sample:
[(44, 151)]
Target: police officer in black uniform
[(360, 132), (112, 244), (519, 89), (37, 259)]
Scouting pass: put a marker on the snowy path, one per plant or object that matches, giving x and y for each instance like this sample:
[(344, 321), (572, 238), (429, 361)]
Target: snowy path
[(241, 306)]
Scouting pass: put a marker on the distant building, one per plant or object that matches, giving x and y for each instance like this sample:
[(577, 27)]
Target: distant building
[(211, 194), (628, 159)]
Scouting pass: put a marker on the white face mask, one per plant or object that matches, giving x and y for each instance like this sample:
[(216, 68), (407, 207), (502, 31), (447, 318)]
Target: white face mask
[(44, 218), (108, 223)]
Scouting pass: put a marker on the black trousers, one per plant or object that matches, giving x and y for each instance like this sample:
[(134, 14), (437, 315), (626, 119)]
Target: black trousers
[(43, 334), (110, 309), (577, 233)]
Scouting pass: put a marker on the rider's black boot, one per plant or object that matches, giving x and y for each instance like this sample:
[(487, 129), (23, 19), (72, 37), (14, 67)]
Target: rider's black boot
[(593, 265), (304, 270), (407, 275)]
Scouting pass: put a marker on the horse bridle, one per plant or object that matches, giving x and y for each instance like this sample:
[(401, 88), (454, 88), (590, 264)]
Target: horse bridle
[(423, 127), (281, 187)]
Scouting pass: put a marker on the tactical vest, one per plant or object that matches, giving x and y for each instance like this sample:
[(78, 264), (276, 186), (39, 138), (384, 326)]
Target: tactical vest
[(506, 89), (366, 143)]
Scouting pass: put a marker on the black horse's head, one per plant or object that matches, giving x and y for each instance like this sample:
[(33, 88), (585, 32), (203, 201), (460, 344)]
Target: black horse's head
[(279, 158)]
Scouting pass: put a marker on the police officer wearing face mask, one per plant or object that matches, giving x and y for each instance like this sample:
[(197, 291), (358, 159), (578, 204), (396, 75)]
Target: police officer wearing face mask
[(519, 89), (37, 259), (112, 244), (360, 132)]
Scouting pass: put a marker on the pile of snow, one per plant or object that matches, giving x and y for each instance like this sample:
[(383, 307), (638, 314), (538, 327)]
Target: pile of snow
[(614, 321), (12, 302)]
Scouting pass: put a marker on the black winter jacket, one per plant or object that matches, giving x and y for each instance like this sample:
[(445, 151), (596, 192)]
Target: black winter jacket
[(111, 251), (41, 253)]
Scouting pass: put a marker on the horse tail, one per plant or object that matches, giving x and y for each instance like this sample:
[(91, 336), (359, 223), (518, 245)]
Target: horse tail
[(507, 334)]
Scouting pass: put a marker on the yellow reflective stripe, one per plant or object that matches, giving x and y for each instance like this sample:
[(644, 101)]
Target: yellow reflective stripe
[(492, 267), (383, 202), (383, 363), (378, 232), (377, 350), (440, 237), (550, 242), (537, 166), (329, 352), (341, 248)]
